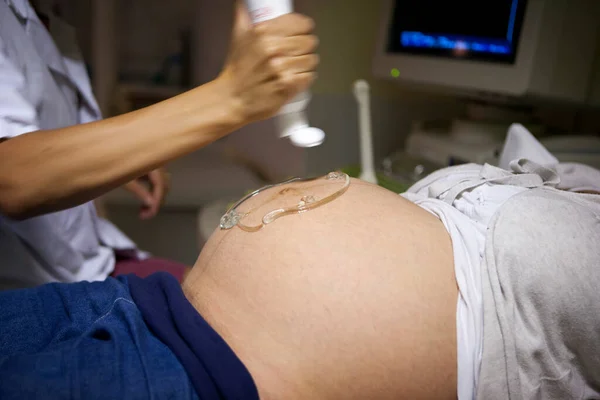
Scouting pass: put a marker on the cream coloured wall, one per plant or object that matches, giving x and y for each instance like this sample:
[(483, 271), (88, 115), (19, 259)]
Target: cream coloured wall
[(348, 30)]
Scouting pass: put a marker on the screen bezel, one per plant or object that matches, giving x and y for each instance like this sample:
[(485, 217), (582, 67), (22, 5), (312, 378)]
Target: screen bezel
[(449, 75)]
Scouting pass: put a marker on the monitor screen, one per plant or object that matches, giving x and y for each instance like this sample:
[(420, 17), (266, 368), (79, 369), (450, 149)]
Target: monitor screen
[(486, 30)]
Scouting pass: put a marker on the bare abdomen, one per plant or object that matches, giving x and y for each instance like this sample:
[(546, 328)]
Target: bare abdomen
[(353, 300)]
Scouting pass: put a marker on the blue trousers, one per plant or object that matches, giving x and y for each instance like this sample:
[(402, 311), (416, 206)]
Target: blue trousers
[(83, 341)]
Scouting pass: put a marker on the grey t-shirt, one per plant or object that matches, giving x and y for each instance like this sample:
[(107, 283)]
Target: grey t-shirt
[(541, 288)]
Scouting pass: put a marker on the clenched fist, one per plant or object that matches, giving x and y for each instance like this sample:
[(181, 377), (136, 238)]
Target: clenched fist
[(269, 63)]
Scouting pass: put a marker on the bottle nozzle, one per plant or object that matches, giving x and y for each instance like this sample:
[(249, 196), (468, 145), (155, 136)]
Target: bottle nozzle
[(295, 126), (307, 137)]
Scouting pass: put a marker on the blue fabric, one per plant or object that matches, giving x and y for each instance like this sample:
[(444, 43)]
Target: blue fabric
[(213, 367), (83, 341)]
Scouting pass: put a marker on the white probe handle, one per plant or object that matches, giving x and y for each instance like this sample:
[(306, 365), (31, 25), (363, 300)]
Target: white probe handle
[(292, 121), (264, 10), (363, 98)]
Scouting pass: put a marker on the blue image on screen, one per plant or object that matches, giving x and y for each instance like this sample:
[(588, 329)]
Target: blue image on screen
[(470, 29)]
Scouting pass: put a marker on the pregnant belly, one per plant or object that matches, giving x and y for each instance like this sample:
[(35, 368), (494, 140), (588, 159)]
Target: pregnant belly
[(355, 299)]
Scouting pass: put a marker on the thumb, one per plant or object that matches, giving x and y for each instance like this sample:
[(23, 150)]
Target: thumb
[(242, 22)]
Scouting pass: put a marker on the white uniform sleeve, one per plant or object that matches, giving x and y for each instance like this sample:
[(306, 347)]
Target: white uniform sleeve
[(17, 114)]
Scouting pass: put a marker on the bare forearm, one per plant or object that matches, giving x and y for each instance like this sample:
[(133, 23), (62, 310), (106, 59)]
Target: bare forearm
[(267, 65), (47, 171)]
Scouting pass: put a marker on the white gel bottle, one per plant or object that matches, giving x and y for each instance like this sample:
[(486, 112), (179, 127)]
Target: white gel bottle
[(291, 120)]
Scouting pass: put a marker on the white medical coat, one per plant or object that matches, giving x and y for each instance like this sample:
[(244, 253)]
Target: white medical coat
[(44, 85)]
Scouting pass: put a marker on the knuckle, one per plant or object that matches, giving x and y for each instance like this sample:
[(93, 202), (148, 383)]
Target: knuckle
[(274, 49), (289, 20), (306, 80), (307, 63), (307, 23), (286, 80), (280, 88), (309, 78), (314, 42), (315, 60), (311, 25), (261, 29), (306, 45), (276, 65), (271, 47)]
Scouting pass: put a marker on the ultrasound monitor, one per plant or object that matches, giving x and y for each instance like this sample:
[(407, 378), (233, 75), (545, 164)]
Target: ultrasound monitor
[(523, 49)]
